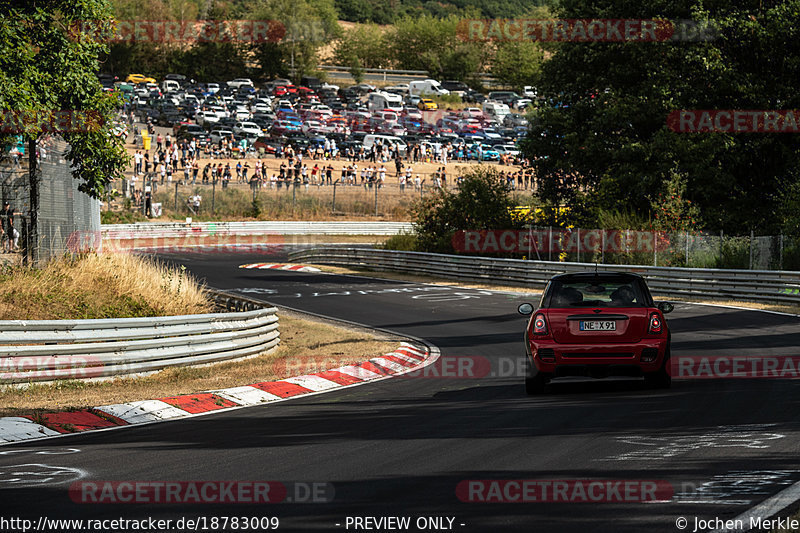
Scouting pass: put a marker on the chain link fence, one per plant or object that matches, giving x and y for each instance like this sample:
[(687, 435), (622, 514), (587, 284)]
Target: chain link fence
[(68, 220), (632, 247)]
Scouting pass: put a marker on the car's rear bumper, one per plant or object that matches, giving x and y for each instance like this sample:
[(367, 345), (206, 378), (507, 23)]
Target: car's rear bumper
[(623, 359)]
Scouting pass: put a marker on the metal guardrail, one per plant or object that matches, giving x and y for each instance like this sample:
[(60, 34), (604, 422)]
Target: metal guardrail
[(483, 76), (205, 229), (767, 286), (48, 350)]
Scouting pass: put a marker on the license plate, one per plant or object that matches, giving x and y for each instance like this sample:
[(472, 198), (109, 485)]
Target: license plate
[(598, 325)]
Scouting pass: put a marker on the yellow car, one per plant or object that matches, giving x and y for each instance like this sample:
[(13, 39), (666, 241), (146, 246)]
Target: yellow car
[(427, 104), (139, 78)]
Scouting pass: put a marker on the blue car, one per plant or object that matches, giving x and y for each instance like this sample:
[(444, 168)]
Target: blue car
[(488, 153)]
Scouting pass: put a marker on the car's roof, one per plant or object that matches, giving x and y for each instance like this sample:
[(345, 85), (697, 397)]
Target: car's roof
[(586, 276)]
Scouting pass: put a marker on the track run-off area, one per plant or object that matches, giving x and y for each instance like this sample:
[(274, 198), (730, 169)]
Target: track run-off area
[(458, 446)]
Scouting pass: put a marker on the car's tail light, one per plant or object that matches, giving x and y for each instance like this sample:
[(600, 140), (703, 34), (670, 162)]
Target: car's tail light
[(539, 325), (655, 324)]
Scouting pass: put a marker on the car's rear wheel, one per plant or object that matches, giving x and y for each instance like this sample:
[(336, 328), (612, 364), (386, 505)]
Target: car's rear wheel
[(535, 381), (661, 379)]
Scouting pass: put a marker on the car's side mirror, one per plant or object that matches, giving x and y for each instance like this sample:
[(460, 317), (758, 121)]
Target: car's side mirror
[(525, 309), (665, 307)]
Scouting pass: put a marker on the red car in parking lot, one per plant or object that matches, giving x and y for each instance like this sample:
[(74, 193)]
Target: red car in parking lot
[(597, 324)]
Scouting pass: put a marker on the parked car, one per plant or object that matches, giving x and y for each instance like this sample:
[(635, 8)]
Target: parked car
[(217, 135), (426, 104), (597, 324), (240, 82), (249, 129), (487, 153)]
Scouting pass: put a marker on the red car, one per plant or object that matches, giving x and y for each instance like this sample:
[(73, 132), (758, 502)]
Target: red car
[(597, 324)]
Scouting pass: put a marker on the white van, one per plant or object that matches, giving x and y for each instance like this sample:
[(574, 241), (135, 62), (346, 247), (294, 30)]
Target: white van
[(391, 140), (496, 111), (380, 100), (169, 86), (421, 87)]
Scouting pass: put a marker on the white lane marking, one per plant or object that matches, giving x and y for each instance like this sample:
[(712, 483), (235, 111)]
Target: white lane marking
[(737, 483), (143, 411), (765, 509), (245, 395), (38, 474), (54, 451), (450, 296), (652, 448)]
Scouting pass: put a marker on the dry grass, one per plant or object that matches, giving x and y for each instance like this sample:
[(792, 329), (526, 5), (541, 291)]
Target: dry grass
[(98, 286), (305, 347)]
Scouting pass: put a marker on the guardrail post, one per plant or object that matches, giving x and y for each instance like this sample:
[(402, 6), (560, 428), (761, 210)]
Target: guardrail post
[(655, 249), (687, 248), (603, 246)]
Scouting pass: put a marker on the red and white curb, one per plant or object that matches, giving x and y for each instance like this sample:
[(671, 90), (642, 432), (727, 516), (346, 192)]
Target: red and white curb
[(407, 358), (281, 266)]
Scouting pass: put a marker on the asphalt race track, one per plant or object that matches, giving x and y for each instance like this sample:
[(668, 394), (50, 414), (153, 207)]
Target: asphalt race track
[(401, 447)]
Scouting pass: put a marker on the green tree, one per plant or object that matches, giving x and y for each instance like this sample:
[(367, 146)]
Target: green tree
[(433, 44), (605, 129), (47, 65), (365, 43), (308, 25), (518, 63), (482, 201)]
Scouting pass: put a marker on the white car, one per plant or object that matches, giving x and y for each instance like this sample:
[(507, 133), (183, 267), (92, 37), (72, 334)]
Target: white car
[(491, 134), (240, 82), (278, 104), (247, 128), (506, 149), (314, 126), (529, 91), (206, 117), (473, 112), (213, 88), (522, 103), (217, 135), (327, 85), (241, 113), (220, 111), (261, 107)]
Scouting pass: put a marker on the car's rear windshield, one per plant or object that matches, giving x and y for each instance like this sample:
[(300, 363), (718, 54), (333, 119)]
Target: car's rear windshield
[(597, 292)]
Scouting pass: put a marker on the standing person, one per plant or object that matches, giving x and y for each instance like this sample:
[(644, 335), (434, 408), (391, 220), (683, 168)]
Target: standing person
[(159, 140), (329, 174), (7, 227), (195, 170), (147, 162)]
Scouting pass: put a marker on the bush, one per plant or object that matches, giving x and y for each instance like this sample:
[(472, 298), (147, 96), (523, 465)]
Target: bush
[(482, 202), (734, 253), (405, 242)]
